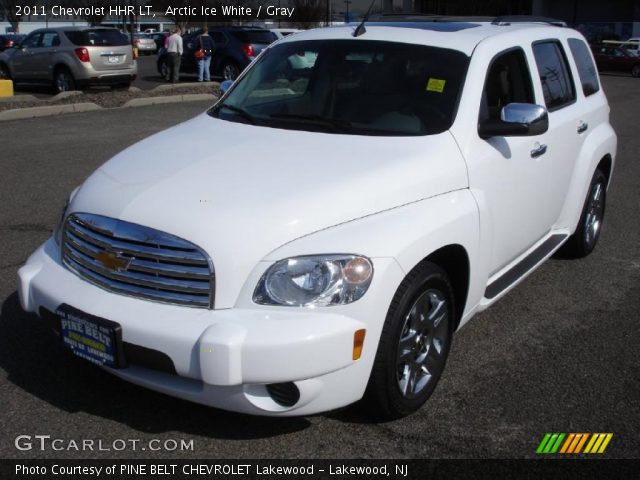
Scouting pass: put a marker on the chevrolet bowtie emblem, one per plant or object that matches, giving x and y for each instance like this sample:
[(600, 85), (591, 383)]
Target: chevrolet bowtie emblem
[(114, 261)]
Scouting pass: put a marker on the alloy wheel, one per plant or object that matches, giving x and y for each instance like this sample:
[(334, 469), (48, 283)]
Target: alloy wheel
[(421, 348), (595, 214)]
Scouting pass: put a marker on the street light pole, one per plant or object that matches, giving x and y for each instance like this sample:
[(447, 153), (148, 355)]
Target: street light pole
[(347, 2)]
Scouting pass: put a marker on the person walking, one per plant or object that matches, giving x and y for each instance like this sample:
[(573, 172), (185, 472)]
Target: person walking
[(174, 52), (207, 46)]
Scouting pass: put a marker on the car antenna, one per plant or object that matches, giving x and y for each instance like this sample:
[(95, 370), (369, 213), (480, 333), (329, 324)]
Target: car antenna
[(360, 29)]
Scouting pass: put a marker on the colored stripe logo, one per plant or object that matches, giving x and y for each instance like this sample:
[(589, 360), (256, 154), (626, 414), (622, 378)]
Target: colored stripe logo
[(574, 443)]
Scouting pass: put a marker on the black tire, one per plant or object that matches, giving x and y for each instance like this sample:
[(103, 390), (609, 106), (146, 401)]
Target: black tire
[(584, 239), (5, 74), (230, 70), (390, 394), (63, 80), (635, 71)]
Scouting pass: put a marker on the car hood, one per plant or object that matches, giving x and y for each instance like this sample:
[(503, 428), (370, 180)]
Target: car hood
[(240, 191)]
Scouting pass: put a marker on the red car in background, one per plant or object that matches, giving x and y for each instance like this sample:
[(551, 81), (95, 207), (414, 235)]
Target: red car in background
[(611, 58)]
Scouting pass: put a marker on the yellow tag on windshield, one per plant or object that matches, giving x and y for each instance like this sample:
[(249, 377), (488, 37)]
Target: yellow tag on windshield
[(436, 85)]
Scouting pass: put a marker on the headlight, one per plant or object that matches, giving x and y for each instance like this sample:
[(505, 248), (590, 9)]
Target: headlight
[(315, 281)]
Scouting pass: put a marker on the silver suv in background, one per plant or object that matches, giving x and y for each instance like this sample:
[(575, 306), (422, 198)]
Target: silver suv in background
[(70, 58)]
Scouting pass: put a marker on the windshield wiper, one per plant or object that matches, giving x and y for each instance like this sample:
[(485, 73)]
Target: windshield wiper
[(242, 112)]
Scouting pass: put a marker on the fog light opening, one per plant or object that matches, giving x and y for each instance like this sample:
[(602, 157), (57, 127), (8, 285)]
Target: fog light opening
[(284, 394)]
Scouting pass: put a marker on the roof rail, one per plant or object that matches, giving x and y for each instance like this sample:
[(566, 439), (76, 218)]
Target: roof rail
[(426, 17), (509, 19), (501, 21)]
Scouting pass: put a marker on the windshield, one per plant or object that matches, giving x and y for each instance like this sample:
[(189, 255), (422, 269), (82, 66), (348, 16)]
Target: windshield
[(354, 87)]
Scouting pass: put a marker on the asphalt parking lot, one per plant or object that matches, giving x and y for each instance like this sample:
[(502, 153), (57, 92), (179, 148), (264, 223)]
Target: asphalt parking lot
[(558, 354)]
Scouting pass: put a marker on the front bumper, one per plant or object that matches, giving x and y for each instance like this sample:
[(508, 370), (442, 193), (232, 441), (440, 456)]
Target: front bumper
[(222, 358)]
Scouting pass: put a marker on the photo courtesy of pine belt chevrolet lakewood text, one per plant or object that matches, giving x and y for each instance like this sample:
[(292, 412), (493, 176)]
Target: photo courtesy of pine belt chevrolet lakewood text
[(315, 238)]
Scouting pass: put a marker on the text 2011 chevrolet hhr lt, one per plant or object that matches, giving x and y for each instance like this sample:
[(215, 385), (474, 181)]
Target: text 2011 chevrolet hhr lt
[(321, 232)]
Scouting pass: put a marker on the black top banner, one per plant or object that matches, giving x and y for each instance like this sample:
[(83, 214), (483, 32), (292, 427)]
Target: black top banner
[(300, 12)]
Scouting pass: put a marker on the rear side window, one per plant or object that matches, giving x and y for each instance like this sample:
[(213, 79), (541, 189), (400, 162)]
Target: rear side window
[(50, 39), (97, 38), (557, 84), (586, 69), (255, 36)]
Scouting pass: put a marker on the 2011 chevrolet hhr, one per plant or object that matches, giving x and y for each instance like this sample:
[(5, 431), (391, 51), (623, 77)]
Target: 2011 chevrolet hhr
[(319, 234)]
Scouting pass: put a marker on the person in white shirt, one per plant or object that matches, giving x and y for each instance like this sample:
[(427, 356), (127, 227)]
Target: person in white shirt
[(174, 53)]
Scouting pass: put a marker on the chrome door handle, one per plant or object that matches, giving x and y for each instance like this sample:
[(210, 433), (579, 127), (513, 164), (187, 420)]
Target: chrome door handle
[(583, 127), (538, 151)]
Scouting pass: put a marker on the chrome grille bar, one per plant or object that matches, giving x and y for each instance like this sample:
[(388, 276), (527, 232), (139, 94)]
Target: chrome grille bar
[(137, 261)]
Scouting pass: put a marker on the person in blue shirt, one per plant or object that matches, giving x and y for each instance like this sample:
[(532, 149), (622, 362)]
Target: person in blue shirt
[(208, 46)]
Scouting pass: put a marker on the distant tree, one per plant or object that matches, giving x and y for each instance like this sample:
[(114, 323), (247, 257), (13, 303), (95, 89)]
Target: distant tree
[(8, 12), (308, 13)]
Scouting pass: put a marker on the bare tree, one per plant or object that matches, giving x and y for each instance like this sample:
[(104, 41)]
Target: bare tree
[(8, 12), (308, 13)]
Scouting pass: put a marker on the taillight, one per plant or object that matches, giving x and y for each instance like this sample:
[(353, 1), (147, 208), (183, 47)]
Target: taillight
[(247, 48), (82, 54), (135, 54), (9, 44)]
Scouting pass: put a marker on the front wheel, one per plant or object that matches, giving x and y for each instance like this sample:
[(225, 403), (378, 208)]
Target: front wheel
[(414, 344), (584, 240), (63, 81)]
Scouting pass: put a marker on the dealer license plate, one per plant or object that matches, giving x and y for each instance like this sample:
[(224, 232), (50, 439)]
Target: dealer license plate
[(93, 338)]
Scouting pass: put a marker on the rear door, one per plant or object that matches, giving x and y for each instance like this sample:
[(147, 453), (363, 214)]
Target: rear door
[(43, 55), (568, 126)]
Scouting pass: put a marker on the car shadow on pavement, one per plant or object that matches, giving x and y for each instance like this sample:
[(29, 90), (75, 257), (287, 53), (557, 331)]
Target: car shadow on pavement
[(35, 361)]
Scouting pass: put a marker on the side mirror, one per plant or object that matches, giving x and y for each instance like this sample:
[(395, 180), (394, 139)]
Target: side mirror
[(516, 120), (224, 86)]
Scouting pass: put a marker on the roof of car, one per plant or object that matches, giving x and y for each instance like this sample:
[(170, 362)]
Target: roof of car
[(456, 35)]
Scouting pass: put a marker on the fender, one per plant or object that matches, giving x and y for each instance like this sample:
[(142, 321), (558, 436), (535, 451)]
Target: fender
[(601, 141), (407, 234)]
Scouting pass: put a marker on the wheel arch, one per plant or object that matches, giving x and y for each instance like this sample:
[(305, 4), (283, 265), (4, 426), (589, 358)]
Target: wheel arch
[(606, 166), (454, 260)]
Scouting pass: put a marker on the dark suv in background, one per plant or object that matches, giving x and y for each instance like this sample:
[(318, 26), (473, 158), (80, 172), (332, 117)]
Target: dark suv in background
[(236, 47)]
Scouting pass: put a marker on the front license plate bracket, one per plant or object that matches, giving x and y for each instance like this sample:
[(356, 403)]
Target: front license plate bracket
[(92, 338)]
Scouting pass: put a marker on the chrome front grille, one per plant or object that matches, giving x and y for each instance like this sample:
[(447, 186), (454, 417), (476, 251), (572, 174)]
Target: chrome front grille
[(138, 261)]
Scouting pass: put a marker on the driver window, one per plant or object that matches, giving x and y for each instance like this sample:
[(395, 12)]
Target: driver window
[(508, 81), (32, 40)]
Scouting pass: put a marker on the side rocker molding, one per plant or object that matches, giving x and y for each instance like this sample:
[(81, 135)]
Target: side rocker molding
[(523, 266)]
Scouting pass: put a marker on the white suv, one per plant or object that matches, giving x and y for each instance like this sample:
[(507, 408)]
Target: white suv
[(321, 232)]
